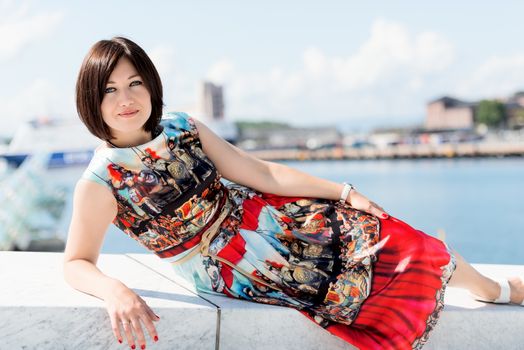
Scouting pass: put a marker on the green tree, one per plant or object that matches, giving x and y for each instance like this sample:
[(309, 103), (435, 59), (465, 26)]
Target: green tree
[(491, 113), (243, 125)]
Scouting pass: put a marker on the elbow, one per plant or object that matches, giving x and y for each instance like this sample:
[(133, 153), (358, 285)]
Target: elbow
[(262, 177), (67, 266), (271, 171), (71, 270)]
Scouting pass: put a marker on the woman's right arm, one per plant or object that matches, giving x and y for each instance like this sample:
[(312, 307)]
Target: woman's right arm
[(94, 208)]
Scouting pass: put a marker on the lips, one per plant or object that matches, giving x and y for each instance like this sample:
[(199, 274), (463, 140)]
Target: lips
[(128, 113)]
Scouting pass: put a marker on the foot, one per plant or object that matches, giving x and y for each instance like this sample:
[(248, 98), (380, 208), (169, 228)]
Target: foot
[(517, 290), (503, 291)]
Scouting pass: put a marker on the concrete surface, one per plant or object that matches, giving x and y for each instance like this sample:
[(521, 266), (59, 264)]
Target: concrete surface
[(41, 311)]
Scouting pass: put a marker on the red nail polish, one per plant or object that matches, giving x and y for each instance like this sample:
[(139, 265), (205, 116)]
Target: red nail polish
[(385, 216), (155, 338), (120, 341), (142, 346), (133, 347)]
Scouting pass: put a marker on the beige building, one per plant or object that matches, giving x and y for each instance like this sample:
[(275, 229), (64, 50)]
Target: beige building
[(450, 113)]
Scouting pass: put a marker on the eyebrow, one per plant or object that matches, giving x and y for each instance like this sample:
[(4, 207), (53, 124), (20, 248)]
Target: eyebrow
[(131, 77)]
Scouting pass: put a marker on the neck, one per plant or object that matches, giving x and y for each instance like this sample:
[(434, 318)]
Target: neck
[(131, 142)]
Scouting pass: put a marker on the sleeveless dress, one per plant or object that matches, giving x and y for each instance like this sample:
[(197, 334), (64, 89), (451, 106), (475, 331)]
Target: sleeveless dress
[(376, 283)]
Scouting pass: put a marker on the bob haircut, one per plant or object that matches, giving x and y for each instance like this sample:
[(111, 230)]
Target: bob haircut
[(94, 74)]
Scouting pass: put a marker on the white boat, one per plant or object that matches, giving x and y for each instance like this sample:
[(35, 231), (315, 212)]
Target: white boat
[(66, 140), (69, 143)]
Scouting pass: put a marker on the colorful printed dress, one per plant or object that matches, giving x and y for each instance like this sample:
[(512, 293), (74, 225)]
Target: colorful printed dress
[(378, 284)]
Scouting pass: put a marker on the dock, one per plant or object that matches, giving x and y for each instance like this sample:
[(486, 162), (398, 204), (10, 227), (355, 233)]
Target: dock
[(406, 151)]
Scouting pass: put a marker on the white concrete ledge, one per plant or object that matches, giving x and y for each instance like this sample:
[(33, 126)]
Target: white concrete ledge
[(470, 324), (40, 311), (248, 325)]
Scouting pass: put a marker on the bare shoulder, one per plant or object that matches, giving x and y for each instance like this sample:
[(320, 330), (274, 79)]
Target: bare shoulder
[(93, 202), (89, 191)]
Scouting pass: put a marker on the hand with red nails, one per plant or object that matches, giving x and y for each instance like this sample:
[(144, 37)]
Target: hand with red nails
[(129, 313), (360, 202)]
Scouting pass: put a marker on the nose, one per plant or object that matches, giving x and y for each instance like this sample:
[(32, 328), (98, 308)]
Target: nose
[(125, 98)]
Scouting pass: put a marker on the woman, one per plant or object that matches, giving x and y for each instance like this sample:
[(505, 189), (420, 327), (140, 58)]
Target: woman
[(272, 235)]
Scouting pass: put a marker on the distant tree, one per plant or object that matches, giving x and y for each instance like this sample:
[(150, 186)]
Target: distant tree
[(242, 125), (491, 113)]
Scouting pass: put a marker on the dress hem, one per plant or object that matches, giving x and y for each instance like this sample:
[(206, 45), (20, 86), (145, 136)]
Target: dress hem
[(431, 322)]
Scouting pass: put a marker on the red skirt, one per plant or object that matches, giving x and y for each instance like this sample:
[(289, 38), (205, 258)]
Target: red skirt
[(407, 291)]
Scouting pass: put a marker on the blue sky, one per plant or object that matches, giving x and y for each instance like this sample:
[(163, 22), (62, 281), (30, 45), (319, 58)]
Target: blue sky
[(353, 64)]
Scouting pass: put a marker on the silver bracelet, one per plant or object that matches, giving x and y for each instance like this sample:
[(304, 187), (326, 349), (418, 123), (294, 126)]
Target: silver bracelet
[(345, 192)]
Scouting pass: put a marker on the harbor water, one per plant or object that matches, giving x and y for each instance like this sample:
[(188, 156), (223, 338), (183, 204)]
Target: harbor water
[(477, 203)]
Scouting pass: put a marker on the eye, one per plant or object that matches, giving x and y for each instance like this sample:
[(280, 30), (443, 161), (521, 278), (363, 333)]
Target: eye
[(109, 90), (135, 83)]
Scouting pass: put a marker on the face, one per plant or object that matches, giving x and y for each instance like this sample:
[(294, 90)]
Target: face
[(148, 161), (126, 105)]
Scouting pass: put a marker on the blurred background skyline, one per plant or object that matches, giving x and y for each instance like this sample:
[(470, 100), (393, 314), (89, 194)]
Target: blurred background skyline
[(349, 64), (334, 70)]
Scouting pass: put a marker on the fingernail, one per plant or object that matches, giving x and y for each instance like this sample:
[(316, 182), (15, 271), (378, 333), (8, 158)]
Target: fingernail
[(385, 216), (142, 346), (120, 341), (155, 338), (133, 347)]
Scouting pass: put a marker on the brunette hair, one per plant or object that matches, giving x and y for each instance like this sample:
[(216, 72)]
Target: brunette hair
[(94, 74)]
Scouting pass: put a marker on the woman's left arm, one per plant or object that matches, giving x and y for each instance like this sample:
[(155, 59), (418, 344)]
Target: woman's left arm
[(242, 168)]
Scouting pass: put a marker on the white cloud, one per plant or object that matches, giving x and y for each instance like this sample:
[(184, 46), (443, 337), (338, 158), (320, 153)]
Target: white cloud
[(391, 54), (180, 91), (499, 76), (387, 50), (19, 28), (221, 71), (433, 53), (40, 98), (389, 74), (163, 56), (315, 63)]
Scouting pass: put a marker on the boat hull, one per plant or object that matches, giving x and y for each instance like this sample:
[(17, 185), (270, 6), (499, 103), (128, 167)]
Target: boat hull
[(56, 160)]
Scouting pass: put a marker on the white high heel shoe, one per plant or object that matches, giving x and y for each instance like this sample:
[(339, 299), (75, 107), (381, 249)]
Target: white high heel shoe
[(504, 297)]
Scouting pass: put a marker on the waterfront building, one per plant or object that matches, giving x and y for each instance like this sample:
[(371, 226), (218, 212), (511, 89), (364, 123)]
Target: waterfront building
[(212, 101), (447, 113), (515, 111), (290, 137), (210, 110)]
